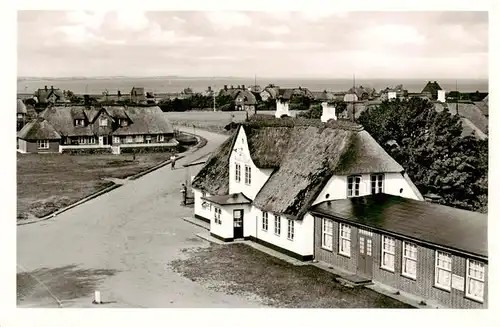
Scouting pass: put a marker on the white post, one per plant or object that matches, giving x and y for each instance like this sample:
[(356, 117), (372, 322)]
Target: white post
[(97, 297)]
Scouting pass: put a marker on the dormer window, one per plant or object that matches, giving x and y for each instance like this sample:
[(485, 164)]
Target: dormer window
[(122, 122), (79, 122)]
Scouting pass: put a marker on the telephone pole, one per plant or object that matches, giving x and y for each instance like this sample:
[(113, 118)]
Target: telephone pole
[(458, 95)]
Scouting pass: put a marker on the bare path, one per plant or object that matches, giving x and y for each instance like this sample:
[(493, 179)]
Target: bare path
[(121, 244)]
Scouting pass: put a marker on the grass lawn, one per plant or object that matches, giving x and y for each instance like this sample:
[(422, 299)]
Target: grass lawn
[(47, 182), (241, 269)]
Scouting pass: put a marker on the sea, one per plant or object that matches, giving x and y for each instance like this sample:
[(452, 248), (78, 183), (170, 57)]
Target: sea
[(176, 84)]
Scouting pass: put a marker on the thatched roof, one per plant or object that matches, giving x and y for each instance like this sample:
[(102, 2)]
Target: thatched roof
[(471, 112), (246, 97), (62, 118), (483, 107), (145, 120), (21, 108), (304, 155), (431, 87), (38, 129)]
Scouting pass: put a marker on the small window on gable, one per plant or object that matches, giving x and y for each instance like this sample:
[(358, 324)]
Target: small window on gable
[(103, 122)]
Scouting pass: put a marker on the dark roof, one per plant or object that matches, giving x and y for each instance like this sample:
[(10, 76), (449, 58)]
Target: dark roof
[(43, 94), (38, 129), (229, 199), (62, 118), (440, 225), (323, 96), (304, 155), (21, 108), (431, 87), (248, 97), (145, 120)]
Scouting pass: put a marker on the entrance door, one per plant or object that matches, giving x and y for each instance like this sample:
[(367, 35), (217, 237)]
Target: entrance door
[(238, 223), (365, 256), (105, 140), (101, 140)]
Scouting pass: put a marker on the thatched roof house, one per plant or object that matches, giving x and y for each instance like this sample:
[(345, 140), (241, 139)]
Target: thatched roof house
[(303, 154), (38, 129)]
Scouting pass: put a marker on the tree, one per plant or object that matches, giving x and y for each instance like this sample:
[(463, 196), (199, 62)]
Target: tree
[(432, 151)]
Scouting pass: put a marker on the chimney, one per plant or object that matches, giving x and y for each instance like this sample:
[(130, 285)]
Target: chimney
[(281, 108), (86, 99), (441, 96), (232, 87), (209, 88), (225, 87), (52, 87), (46, 88), (243, 87), (328, 112)]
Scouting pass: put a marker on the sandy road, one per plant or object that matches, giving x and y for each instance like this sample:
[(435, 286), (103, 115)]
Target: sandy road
[(120, 243)]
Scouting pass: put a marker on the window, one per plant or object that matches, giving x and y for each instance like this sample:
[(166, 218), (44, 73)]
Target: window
[(217, 213), (122, 122), (139, 138), (129, 139), (443, 270), (91, 140), (291, 230), (327, 239), (409, 268), (148, 139), (345, 240), (103, 122), (248, 175), (265, 221), (161, 138), (277, 225), (238, 172), (82, 140), (79, 122), (388, 252), (116, 139), (353, 185), (43, 144), (377, 182), (474, 286)]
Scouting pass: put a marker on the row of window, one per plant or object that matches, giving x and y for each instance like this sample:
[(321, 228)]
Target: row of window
[(277, 225), (248, 174), (443, 272), (354, 182), (138, 139), (103, 122)]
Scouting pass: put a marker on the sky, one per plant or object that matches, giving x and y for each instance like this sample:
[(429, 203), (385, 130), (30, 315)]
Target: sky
[(316, 44)]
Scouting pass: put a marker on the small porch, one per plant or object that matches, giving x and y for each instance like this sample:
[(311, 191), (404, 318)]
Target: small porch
[(229, 215)]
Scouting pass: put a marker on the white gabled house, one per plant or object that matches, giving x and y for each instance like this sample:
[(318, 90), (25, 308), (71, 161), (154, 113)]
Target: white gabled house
[(261, 182)]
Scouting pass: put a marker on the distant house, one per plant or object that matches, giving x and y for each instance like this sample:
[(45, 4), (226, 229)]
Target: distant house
[(21, 114), (351, 97), (270, 92), (209, 92), (362, 93), (431, 90), (38, 136), (52, 95), (329, 192), (397, 92), (90, 127), (246, 100), (138, 95), (323, 96)]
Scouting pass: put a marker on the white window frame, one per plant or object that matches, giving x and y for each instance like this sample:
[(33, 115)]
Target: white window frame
[(217, 214), (356, 181), (444, 258), (139, 139), (345, 235), (265, 221), (327, 231), (290, 230), (43, 144), (277, 225), (161, 138), (481, 268), (248, 175), (129, 139), (388, 246), (103, 122), (377, 183), (91, 140), (116, 139), (409, 256), (237, 173)]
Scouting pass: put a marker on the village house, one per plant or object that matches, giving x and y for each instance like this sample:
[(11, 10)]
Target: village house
[(362, 93), (303, 187), (270, 92), (323, 96), (246, 100), (138, 95), (431, 90), (81, 127), (52, 95), (21, 114)]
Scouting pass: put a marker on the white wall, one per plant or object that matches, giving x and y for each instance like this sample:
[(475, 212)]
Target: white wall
[(391, 95), (242, 156), (441, 96), (328, 112), (226, 228), (22, 145), (303, 242), (393, 182), (281, 108), (206, 212)]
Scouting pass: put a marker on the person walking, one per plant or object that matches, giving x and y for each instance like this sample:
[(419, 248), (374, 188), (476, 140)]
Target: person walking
[(172, 159), (184, 193)]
